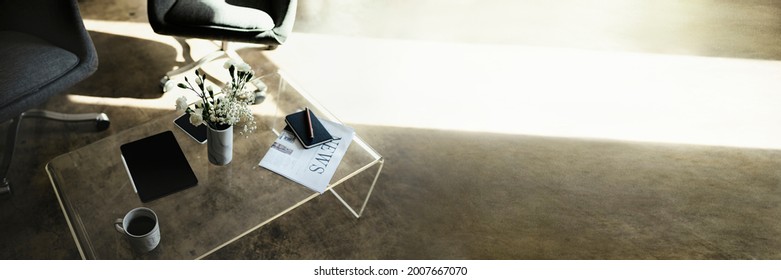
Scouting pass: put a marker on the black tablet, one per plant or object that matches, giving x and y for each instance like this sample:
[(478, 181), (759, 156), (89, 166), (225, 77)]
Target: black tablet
[(157, 166)]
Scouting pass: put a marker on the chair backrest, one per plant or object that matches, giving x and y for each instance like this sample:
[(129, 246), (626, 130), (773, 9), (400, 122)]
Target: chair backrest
[(45, 50)]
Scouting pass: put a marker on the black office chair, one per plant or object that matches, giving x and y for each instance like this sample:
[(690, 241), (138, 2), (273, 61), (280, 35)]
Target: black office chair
[(266, 22), (44, 50)]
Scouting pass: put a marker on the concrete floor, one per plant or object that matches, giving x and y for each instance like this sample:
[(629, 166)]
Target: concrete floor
[(467, 190)]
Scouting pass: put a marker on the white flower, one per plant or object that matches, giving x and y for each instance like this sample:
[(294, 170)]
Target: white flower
[(196, 117), (181, 103), (230, 62), (230, 104), (243, 67)]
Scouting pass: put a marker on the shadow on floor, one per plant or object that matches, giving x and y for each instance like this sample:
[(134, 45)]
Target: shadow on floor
[(128, 67)]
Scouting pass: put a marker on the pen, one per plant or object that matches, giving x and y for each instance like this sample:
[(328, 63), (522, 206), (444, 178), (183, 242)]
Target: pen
[(309, 123)]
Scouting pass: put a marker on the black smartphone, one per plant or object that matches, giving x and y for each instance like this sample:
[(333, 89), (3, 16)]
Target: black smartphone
[(197, 133)]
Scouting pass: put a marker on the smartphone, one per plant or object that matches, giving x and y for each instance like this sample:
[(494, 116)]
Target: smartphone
[(197, 133)]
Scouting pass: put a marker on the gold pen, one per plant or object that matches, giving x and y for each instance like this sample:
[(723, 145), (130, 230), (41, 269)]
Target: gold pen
[(309, 123)]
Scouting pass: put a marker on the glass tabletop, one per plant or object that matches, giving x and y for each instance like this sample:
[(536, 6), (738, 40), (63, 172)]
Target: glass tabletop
[(94, 188)]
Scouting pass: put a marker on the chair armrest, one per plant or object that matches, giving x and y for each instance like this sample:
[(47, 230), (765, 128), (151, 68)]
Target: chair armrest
[(284, 15), (156, 10)]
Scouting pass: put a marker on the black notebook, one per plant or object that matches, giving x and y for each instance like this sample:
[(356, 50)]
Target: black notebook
[(299, 125), (157, 166)]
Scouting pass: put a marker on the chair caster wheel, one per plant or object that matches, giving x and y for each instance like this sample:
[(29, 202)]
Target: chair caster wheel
[(5, 188), (260, 92), (166, 84), (102, 122), (164, 80), (260, 96)]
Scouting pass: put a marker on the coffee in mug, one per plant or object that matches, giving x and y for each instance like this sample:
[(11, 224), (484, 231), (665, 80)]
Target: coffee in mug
[(141, 228)]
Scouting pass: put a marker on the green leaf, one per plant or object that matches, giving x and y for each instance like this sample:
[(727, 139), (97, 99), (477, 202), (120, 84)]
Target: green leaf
[(181, 85)]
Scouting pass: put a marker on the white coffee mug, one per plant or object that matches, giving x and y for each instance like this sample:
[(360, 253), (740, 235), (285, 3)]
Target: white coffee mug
[(141, 228)]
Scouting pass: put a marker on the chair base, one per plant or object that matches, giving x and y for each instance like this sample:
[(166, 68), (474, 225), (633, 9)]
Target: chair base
[(101, 120), (167, 83)]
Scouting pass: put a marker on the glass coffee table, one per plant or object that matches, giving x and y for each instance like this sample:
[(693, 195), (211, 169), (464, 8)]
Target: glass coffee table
[(94, 188)]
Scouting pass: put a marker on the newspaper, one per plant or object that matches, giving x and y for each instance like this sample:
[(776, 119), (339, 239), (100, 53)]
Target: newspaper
[(312, 167)]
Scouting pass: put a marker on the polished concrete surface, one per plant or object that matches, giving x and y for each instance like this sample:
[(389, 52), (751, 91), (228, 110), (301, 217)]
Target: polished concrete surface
[(576, 183)]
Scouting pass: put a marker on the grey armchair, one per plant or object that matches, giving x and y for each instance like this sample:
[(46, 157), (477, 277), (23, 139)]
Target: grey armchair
[(266, 22), (45, 50)]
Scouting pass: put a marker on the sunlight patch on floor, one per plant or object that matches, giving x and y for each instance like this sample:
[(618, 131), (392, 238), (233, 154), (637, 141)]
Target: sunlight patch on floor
[(517, 89), (540, 91)]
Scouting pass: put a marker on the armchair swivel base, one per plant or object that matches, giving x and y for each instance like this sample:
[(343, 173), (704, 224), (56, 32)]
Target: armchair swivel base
[(101, 121)]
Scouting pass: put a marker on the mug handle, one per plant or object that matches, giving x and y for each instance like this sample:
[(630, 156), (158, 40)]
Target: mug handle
[(118, 226)]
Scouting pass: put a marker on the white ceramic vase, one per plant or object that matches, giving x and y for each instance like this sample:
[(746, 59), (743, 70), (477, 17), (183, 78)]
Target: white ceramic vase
[(220, 145)]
